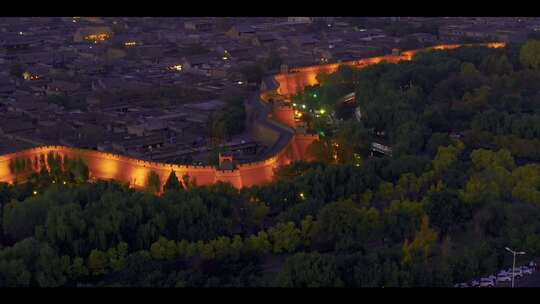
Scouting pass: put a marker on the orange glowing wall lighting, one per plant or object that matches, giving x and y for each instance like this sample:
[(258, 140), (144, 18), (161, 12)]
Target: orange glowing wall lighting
[(135, 172), (295, 82)]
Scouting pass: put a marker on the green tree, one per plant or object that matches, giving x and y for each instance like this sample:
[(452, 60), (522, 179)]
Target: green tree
[(154, 183), (446, 156), (97, 262), (483, 159), (164, 249), (78, 269), (310, 270), (259, 243), (346, 227), (172, 183), (285, 237), (5, 196), (117, 256), (529, 54), (49, 270), (323, 150), (14, 273), (402, 219), (445, 210), (423, 242)]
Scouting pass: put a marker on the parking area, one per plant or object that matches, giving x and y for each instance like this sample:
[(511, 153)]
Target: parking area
[(525, 276)]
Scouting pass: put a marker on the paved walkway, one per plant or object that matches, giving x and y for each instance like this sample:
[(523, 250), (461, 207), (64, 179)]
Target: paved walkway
[(260, 115)]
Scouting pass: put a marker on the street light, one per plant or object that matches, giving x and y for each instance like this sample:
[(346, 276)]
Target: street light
[(514, 264)]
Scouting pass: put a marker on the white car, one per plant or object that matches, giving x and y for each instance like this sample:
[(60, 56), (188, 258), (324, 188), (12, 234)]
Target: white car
[(504, 278), (504, 273), (517, 273), (475, 283), (526, 270), (486, 282)]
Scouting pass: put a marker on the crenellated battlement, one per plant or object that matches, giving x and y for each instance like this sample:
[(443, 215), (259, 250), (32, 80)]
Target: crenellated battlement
[(105, 165), (294, 82)]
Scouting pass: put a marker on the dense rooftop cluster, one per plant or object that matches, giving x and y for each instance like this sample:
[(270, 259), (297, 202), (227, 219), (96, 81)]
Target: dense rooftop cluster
[(132, 85)]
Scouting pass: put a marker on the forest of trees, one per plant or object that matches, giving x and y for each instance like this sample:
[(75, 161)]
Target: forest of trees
[(439, 211), (487, 97)]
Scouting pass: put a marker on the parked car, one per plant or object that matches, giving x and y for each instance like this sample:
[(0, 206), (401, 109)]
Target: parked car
[(517, 273), (492, 277), (475, 283), (504, 278), (461, 285), (486, 282), (504, 273), (526, 270)]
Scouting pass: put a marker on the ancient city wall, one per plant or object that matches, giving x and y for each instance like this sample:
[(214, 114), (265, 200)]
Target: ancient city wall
[(135, 172), (294, 82)]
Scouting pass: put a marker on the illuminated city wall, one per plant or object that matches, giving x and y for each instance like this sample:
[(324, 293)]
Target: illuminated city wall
[(135, 172), (284, 115), (294, 82)]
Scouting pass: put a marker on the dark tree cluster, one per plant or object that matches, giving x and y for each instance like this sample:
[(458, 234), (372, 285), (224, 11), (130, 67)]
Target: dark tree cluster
[(462, 185)]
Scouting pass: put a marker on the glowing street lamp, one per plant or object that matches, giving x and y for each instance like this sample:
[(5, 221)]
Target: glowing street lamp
[(514, 264)]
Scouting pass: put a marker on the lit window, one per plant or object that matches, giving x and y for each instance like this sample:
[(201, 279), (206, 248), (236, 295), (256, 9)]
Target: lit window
[(177, 67), (97, 37)]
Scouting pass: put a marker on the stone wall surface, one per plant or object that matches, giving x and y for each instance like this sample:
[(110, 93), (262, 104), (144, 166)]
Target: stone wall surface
[(288, 146)]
